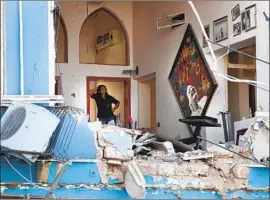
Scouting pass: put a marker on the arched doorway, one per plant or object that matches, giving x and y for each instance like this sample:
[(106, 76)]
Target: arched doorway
[(61, 39), (103, 39)]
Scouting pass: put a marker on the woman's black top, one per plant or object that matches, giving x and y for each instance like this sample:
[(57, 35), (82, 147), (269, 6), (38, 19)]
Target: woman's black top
[(104, 105)]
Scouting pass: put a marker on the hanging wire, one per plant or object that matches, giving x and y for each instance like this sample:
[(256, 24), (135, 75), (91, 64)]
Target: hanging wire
[(227, 77), (229, 48), (21, 175)]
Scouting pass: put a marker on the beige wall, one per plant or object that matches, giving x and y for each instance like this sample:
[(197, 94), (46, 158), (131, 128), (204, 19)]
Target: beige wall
[(96, 25), (160, 48), (153, 103), (61, 41), (238, 96), (144, 106), (147, 104)]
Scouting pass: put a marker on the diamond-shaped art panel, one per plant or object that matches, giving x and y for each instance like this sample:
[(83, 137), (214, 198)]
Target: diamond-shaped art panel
[(191, 78)]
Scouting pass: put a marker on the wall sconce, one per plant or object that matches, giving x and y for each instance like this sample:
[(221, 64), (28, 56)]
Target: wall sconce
[(131, 72)]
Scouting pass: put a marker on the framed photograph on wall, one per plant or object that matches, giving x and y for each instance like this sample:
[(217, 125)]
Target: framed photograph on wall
[(237, 29), (220, 29), (235, 12), (207, 31), (248, 18)]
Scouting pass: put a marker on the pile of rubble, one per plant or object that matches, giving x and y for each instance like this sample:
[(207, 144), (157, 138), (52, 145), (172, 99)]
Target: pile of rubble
[(216, 169)]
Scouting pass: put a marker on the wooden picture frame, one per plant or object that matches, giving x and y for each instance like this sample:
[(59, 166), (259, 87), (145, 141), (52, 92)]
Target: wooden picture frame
[(191, 73), (207, 30), (251, 13), (237, 29), (220, 29), (235, 12)]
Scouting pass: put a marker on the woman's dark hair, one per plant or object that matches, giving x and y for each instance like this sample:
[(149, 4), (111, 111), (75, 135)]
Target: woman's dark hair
[(99, 90)]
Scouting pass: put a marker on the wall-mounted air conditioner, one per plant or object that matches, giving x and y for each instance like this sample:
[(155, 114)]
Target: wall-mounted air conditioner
[(110, 38), (171, 21), (27, 127)]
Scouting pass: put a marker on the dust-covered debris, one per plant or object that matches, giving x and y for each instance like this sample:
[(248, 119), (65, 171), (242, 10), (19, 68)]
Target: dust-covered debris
[(257, 139)]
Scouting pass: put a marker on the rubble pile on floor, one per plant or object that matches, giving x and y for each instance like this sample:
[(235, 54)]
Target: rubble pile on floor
[(216, 169)]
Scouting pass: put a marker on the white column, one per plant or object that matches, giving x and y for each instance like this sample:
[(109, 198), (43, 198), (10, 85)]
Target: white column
[(262, 52), (2, 43), (51, 47)]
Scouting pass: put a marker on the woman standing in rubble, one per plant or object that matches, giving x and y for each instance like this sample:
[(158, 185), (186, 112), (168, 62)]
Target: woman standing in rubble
[(104, 103)]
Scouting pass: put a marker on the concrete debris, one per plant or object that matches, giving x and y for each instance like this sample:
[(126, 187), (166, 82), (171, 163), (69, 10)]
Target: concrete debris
[(43, 171), (110, 153), (241, 172), (120, 140), (198, 154), (114, 162), (215, 169), (142, 150), (257, 139), (222, 153), (134, 181), (164, 146), (224, 165)]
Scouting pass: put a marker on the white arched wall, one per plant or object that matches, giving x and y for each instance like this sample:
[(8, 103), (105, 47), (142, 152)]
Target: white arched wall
[(61, 39), (97, 23), (73, 73)]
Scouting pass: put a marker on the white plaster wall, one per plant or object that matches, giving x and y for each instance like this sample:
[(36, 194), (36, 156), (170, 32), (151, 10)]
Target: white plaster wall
[(160, 48), (144, 105), (73, 73), (262, 52)]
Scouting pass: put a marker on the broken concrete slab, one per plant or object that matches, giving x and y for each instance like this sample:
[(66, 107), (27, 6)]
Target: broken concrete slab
[(196, 155), (240, 172), (167, 169), (257, 138), (166, 146), (110, 152), (120, 140), (114, 162), (134, 181)]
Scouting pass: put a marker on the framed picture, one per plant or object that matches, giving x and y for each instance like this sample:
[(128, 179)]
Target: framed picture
[(220, 29), (207, 30), (191, 79), (235, 12), (248, 18), (237, 29)]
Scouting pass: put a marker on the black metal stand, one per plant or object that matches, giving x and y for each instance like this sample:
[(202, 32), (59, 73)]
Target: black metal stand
[(199, 122)]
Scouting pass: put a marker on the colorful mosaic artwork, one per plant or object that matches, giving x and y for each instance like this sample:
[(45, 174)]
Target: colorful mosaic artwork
[(191, 78)]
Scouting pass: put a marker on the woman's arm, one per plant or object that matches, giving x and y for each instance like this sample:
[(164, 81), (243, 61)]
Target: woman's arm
[(93, 91), (116, 102), (116, 106)]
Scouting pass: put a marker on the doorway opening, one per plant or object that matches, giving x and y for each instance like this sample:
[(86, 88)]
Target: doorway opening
[(241, 96), (147, 102), (119, 88)]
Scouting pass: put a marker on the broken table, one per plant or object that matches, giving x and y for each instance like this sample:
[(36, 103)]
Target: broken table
[(199, 122)]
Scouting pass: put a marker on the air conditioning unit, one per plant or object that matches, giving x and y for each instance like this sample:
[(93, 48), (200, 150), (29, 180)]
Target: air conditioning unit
[(27, 127), (173, 20), (113, 37)]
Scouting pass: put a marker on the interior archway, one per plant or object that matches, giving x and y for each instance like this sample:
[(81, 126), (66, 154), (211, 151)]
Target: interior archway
[(103, 39), (61, 40)]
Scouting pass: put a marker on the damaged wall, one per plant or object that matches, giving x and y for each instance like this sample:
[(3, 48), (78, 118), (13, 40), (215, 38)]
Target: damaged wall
[(165, 43), (32, 42), (73, 73), (262, 51)]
